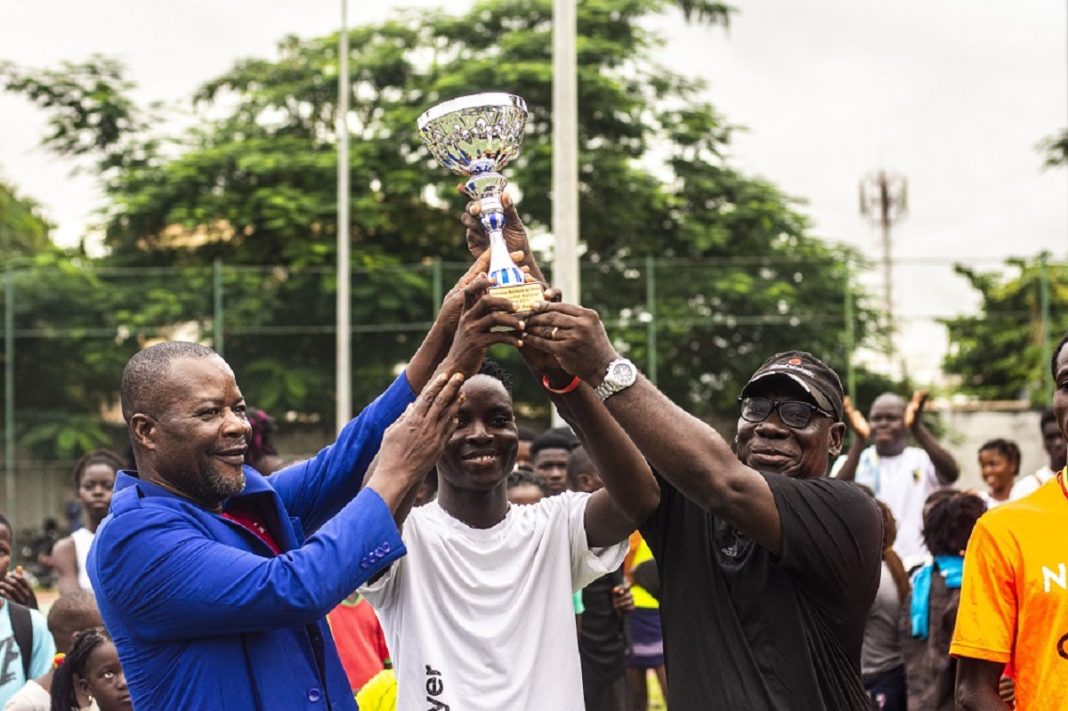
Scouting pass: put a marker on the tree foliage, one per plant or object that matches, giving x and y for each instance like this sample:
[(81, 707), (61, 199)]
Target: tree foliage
[(998, 353), (253, 184), (23, 229)]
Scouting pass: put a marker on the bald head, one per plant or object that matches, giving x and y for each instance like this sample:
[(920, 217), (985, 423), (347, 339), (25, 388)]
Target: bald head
[(148, 369), (71, 614), (890, 401)]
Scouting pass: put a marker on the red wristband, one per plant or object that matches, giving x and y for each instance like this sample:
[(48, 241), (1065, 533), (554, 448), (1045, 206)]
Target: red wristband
[(575, 382)]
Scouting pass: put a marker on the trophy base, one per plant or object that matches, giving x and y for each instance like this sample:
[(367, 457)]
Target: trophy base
[(522, 296)]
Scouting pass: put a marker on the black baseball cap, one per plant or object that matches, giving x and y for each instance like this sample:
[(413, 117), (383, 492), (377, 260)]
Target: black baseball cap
[(816, 377)]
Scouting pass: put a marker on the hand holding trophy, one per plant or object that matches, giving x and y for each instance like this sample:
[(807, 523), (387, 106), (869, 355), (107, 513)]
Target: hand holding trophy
[(475, 136)]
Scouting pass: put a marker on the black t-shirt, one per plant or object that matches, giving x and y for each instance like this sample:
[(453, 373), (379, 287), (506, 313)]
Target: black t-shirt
[(744, 629), (602, 641)]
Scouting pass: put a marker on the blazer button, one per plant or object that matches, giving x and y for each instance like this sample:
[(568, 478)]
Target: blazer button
[(314, 695), (364, 564), (385, 547)]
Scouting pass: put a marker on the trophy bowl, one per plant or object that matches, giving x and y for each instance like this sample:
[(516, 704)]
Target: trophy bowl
[(475, 136), (476, 133)]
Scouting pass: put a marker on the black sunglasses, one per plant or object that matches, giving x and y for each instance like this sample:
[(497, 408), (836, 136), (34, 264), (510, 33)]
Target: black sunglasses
[(793, 413)]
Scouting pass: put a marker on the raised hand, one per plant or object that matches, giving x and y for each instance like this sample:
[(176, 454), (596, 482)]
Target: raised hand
[(453, 303), (414, 442), (485, 320), (574, 336), (856, 420), (15, 587), (515, 234), (914, 409), (542, 361)]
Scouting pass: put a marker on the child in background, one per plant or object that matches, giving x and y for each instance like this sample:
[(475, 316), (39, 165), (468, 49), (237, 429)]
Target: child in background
[(643, 623), (930, 610), (261, 454), (68, 616), (94, 479), (27, 648), (360, 642), (523, 488), (93, 668), (999, 462)]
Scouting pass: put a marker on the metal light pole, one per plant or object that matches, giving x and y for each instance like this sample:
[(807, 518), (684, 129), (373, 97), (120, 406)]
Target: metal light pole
[(343, 412), (565, 155), (565, 150)]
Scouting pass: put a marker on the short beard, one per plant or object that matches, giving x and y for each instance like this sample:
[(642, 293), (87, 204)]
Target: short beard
[(216, 488)]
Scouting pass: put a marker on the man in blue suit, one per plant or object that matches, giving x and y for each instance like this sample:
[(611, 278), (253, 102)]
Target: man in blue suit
[(215, 580)]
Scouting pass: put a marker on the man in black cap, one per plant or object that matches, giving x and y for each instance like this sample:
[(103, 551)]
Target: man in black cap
[(768, 568)]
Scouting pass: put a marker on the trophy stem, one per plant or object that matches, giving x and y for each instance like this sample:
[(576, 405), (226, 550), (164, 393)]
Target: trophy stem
[(501, 267)]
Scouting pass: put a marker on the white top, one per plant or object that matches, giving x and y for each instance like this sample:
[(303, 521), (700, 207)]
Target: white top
[(990, 501), (482, 619), (31, 697), (1031, 483), (903, 483), (83, 538)]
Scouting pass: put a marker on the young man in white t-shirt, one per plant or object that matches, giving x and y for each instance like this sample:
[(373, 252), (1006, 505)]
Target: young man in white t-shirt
[(901, 476), (478, 614)]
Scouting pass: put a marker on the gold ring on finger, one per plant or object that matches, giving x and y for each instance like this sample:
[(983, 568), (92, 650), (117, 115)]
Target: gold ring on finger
[(552, 333)]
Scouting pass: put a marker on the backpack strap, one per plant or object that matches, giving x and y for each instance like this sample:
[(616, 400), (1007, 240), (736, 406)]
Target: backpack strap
[(22, 626)]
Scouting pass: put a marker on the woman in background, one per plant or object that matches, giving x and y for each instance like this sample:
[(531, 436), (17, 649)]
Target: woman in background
[(94, 478)]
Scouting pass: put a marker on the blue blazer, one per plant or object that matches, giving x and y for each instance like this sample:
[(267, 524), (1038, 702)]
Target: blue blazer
[(205, 616)]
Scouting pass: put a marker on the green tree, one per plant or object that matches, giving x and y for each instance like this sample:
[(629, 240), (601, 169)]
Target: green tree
[(998, 353), (23, 229), (60, 382), (253, 184)]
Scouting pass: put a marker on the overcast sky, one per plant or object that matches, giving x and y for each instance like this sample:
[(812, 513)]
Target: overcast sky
[(953, 94)]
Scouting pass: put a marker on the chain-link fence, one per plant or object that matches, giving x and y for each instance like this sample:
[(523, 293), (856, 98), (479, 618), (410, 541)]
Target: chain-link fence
[(696, 327)]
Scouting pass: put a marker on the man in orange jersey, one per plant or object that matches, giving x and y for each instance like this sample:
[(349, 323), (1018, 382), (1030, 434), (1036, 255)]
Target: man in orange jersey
[(1014, 601)]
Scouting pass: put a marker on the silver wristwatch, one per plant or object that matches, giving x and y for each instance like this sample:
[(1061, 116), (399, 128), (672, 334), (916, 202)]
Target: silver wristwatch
[(620, 375)]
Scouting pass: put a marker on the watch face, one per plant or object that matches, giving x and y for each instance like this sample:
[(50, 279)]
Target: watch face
[(622, 374)]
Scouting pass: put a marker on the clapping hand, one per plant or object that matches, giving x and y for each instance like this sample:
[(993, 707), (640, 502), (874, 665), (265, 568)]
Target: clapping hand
[(856, 419), (914, 409)]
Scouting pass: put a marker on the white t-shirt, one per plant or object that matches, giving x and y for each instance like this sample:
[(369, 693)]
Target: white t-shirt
[(903, 483), (1031, 483), (31, 697), (482, 619), (990, 501), (83, 540)]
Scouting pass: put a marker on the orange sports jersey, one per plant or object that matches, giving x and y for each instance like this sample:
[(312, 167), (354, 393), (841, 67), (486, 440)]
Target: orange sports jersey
[(1014, 601)]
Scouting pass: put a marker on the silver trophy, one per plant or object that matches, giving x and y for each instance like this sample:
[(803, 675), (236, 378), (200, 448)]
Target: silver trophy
[(475, 136)]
